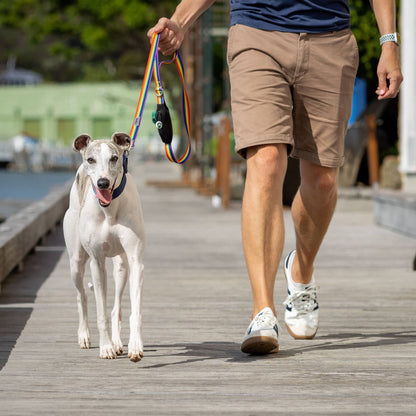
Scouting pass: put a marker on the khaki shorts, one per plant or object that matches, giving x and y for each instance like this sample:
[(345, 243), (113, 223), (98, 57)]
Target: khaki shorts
[(293, 88)]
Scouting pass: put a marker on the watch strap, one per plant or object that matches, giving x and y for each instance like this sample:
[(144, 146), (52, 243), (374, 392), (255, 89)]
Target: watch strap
[(390, 37)]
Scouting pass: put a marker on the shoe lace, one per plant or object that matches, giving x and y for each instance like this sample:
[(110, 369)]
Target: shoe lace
[(303, 301), (261, 321)]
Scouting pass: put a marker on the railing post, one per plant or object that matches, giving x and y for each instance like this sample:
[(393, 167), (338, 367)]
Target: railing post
[(223, 162), (372, 151)]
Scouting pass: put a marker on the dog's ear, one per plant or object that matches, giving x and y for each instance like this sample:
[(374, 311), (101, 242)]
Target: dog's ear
[(81, 142), (121, 139)]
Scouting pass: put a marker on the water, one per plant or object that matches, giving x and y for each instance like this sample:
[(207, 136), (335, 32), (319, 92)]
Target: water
[(30, 186)]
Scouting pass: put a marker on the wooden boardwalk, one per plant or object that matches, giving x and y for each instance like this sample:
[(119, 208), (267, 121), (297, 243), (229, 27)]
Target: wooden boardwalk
[(197, 305)]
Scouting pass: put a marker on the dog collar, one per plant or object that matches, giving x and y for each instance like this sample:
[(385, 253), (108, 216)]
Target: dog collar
[(118, 191)]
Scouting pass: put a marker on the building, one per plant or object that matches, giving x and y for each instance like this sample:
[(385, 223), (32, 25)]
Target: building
[(57, 113)]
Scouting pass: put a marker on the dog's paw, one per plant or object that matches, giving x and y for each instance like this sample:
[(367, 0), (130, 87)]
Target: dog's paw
[(118, 346), (84, 339), (135, 352), (107, 352), (135, 357)]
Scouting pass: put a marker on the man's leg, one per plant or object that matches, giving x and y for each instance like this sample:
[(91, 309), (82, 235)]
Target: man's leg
[(262, 220), (312, 210)]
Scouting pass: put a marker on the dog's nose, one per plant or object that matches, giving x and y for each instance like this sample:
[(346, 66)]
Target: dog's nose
[(103, 183)]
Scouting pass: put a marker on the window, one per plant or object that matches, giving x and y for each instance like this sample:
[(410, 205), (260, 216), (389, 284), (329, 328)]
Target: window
[(32, 127), (66, 130)]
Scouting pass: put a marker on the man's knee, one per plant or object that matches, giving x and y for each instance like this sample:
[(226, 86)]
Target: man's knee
[(267, 160), (321, 181), (326, 183)]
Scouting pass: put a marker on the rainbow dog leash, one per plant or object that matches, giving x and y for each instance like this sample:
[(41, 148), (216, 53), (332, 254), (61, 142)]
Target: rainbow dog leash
[(162, 117)]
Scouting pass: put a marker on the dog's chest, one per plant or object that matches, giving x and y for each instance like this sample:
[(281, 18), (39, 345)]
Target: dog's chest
[(103, 237)]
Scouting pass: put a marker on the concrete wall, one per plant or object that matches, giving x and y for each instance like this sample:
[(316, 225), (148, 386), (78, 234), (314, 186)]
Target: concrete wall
[(396, 210)]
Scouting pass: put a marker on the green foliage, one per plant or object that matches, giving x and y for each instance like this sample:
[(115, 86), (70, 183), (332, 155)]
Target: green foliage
[(69, 40)]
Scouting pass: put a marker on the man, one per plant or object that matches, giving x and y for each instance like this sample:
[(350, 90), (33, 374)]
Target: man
[(292, 68)]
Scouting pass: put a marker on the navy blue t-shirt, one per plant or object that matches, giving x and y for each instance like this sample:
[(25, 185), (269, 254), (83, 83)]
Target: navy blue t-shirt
[(300, 16)]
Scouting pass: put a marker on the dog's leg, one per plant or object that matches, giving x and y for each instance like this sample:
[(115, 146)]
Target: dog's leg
[(99, 277), (77, 260), (136, 283), (120, 273), (77, 265)]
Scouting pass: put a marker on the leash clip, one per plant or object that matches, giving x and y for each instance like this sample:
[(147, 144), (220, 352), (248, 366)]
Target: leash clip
[(159, 92)]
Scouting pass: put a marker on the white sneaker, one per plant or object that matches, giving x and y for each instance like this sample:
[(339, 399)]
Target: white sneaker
[(262, 335), (302, 310)]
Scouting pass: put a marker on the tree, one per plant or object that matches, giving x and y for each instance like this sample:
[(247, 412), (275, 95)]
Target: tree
[(68, 40)]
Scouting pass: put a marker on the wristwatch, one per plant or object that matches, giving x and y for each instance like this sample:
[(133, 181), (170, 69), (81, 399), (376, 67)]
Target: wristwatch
[(391, 37)]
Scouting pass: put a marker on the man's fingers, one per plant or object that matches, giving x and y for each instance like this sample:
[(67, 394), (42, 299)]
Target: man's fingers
[(382, 84), (168, 42), (171, 35), (395, 79), (391, 89), (160, 26)]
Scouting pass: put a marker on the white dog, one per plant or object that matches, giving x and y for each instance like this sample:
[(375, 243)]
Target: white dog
[(104, 219)]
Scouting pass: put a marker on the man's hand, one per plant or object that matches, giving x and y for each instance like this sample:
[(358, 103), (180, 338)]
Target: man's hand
[(171, 35), (388, 71)]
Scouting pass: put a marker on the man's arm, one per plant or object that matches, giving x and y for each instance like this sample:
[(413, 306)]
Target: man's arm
[(172, 31), (388, 70)]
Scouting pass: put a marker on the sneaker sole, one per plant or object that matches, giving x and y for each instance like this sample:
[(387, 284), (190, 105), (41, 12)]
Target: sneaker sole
[(296, 336), (260, 346)]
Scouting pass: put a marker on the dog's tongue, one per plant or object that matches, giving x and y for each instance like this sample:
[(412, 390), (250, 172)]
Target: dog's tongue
[(104, 195)]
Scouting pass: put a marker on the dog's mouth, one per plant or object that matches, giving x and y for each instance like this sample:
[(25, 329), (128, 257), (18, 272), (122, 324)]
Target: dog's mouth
[(104, 196)]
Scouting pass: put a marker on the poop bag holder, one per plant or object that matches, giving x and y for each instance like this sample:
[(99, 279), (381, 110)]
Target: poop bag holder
[(161, 117)]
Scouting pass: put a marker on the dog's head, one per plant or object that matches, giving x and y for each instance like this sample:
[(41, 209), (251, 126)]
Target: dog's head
[(103, 162)]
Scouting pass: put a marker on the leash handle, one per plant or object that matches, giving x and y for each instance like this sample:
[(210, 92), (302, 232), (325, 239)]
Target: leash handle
[(153, 68)]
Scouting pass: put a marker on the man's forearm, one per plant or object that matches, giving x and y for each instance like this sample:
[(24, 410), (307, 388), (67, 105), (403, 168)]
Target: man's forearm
[(188, 11), (385, 13)]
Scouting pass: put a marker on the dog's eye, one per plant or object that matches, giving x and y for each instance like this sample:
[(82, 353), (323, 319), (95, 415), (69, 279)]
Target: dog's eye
[(114, 159), (91, 160)]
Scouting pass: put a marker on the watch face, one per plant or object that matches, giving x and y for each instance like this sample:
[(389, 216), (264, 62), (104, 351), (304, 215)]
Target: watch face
[(399, 39)]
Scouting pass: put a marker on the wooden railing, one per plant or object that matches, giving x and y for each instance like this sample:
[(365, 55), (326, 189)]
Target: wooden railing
[(21, 232)]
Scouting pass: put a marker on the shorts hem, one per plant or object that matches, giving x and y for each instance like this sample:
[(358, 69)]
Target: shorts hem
[(315, 159), (242, 150)]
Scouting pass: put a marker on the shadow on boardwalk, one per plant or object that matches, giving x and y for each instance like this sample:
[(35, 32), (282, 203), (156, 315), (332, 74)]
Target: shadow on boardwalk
[(229, 351), (19, 291)]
